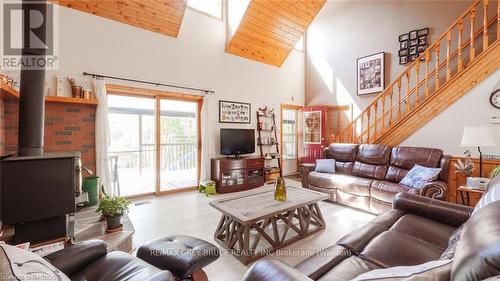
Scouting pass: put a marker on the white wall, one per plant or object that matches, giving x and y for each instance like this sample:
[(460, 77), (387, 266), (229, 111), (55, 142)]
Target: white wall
[(445, 131), (196, 58)]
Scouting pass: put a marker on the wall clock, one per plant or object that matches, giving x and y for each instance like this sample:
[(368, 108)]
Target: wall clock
[(495, 99)]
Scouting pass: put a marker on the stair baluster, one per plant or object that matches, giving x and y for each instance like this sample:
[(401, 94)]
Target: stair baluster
[(485, 23), (417, 82), (436, 82), (407, 98), (399, 99), (460, 39), (427, 60), (472, 49), (448, 46)]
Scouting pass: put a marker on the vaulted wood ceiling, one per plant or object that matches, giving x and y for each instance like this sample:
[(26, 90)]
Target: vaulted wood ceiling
[(270, 29), (160, 16)]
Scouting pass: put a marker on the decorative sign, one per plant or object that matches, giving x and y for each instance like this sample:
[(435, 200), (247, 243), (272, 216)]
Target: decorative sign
[(234, 112), (370, 73), (412, 44), (312, 128)]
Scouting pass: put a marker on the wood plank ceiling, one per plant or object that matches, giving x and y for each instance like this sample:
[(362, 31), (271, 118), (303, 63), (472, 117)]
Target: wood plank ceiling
[(270, 29), (160, 16)]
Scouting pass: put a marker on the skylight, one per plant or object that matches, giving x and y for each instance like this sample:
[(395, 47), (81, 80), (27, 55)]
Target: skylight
[(209, 7)]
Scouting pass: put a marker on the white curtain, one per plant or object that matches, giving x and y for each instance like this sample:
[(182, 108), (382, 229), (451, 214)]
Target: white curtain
[(102, 136), (206, 143)]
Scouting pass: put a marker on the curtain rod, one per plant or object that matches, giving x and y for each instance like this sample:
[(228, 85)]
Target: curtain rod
[(148, 82)]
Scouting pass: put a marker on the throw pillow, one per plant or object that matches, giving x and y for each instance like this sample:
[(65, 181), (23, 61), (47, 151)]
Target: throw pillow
[(25, 265), (491, 196), (419, 176), (325, 166), (433, 270)]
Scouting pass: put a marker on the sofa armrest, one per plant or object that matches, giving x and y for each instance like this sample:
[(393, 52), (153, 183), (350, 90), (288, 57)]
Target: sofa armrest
[(271, 270), (73, 258), (304, 170), (442, 211), (436, 190), (445, 168)]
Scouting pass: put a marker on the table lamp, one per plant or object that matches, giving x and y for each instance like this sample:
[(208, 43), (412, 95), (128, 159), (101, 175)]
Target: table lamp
[(480, 136)]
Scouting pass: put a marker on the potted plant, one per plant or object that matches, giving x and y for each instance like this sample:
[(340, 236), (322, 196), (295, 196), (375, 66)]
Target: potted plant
[(466, 167), (113, 208)]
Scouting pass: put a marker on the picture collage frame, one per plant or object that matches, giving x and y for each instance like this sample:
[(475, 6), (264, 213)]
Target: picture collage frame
[(412, 45)]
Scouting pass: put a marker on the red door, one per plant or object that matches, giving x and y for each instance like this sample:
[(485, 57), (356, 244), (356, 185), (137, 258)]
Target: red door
[(313, 130)]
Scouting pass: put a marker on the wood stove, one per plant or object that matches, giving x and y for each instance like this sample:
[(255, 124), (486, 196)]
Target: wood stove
[(37, 190)]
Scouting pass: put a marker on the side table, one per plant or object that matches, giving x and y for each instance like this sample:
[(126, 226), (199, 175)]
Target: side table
[(466, 191)]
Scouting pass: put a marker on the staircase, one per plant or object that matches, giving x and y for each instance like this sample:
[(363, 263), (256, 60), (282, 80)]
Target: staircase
[(465, 54)]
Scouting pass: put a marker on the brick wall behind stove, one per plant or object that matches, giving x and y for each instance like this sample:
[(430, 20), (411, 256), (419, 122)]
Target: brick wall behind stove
[(68, 127)]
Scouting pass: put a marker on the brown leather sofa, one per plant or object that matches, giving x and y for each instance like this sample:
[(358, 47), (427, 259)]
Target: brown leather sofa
[(177, 257), (417, 230), (367, 176)]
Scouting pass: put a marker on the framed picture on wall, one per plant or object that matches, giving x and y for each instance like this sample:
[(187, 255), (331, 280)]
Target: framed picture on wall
[(413, 34), (404, 37), (370, 74), (234, 112)]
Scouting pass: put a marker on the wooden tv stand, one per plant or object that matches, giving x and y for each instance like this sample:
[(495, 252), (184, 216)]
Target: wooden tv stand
[(237, 174)]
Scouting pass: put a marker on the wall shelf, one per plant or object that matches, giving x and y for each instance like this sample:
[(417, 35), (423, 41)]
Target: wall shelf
[(70, 100), (9, 92)]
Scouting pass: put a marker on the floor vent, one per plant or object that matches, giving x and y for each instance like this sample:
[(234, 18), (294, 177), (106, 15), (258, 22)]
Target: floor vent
[(142, 203)]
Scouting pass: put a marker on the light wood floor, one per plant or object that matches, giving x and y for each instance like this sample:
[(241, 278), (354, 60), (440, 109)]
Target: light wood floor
[(189, 213)]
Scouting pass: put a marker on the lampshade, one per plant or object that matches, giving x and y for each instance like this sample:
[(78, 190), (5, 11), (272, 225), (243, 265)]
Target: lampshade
[(477, 136)]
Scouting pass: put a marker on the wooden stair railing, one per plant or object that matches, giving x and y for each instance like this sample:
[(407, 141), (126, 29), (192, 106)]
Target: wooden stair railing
[(449, 56)]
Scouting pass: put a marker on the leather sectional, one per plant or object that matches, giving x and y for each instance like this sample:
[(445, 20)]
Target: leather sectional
[(367, 176), (417, 230)]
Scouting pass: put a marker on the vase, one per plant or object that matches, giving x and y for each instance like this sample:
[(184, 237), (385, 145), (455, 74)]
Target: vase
[(280, 190), (113, 222)]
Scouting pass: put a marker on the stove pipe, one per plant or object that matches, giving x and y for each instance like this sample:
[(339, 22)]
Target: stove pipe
[(31, 100)]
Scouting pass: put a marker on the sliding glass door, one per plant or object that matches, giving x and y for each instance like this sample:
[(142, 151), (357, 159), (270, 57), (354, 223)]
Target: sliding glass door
[(132, 149), (154, 145), (179, 144)]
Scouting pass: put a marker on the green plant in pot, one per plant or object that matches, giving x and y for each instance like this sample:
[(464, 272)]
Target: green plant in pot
[(113, 208)]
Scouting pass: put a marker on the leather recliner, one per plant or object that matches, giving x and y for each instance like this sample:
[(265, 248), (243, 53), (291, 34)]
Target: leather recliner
[(367, 176)]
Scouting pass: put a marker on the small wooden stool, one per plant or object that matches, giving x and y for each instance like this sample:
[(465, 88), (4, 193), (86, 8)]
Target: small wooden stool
[(208, 187)]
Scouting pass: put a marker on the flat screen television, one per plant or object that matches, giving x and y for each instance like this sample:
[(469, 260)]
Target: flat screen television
[(237, 141)]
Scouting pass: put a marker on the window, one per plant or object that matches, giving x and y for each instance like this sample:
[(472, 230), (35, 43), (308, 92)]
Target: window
[(289, 134), (209, 7)]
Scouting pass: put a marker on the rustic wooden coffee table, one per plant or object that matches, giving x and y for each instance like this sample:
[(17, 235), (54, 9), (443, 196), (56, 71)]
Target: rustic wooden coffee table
[(253, 224)]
